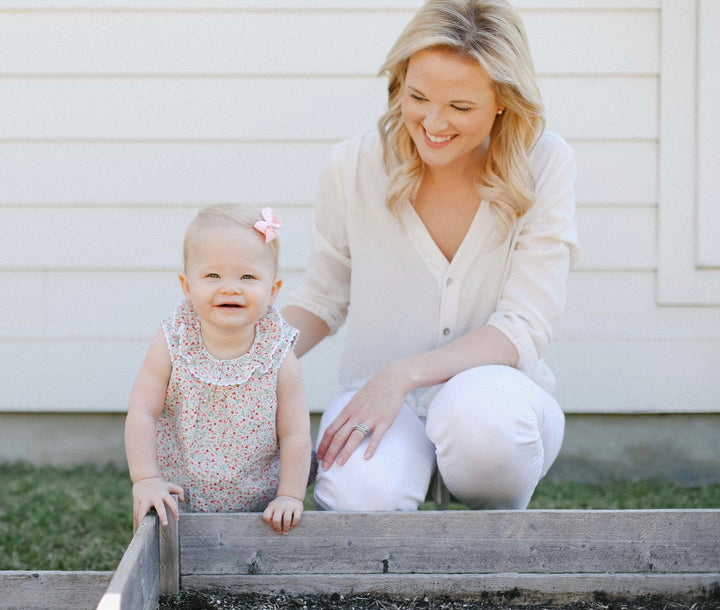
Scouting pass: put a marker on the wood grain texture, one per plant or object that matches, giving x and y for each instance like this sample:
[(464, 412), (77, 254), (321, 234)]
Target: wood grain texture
[(518, 588), (50, 590), (462, 542), (136, 583)]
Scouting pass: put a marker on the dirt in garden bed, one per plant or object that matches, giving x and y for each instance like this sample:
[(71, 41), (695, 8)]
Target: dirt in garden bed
[(217, 600)]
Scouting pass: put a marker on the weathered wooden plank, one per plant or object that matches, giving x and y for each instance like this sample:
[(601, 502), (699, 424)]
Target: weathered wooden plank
[(136, 583), (455, 542), (169, 556), (520, 588), (50, 590)]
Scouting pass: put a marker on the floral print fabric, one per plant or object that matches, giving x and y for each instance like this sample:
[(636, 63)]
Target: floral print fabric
[(216, 435)]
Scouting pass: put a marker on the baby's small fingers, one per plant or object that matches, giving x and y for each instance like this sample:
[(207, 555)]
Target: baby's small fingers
[(295, 518), (173, 506), (161, 512), (177, 489)]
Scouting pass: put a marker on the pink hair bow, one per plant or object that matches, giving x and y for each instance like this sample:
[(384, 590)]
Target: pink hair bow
[(269, 225)]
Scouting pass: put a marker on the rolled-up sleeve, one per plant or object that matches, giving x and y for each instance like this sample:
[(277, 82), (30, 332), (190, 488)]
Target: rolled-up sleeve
[(325, 289), (545, 249)]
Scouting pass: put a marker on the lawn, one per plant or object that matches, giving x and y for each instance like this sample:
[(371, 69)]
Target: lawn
[(81, 518)]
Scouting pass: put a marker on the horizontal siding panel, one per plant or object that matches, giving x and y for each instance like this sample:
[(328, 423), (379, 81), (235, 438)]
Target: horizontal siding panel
[(68, 375), (593, 376), (257, 43), (103, 305), (621, 305), (150, 238), (130, 304), (96, 375), (616, 172), (188, 108), (117, 238), (109, 173), (621, 108), (96, 304), (616, 237), (617, 42), (359, 5), (74, 173), (22, 307), (280, 109), (195, 43), (653, 376)]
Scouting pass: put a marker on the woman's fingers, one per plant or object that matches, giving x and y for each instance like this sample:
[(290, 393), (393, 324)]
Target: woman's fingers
[(336, 444), (358, 434), (329, 436)]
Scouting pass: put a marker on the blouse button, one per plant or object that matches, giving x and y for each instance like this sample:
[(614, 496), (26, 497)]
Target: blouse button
[(448, 281), (446, 332)]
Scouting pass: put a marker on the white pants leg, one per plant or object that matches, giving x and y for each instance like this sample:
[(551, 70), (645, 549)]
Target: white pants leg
[(395, 478), (496, 433)]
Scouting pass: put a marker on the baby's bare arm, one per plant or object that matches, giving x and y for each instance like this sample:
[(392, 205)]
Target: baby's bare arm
[(147, 399), (293, 428)]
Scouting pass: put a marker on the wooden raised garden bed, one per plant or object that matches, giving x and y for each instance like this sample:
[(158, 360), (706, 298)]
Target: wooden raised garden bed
[(542, 556)]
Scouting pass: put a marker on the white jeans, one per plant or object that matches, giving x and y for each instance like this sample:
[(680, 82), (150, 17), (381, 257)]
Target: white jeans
[(492, 432)]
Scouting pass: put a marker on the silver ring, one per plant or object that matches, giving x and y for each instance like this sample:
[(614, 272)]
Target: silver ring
[(362, 428)]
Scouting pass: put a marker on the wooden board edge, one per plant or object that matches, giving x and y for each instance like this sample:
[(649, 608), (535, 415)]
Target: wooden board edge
[(518, 588), (136, 582), (52, 589)]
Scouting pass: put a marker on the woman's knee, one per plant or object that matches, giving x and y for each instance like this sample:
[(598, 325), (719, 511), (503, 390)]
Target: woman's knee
[(364, 487), (395, 478), (487, 429)]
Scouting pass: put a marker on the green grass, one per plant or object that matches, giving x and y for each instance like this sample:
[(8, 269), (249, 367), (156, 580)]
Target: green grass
[(81, 518), (63, 518), (615, 495)]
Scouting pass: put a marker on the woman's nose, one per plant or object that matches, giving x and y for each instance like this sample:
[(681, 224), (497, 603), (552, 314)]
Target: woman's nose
[(435, 120)]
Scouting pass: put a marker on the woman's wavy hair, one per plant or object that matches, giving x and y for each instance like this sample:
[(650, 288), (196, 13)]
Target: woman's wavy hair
[(491, 32)]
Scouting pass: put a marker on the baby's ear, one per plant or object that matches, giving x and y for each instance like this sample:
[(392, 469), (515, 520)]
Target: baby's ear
[(277, 284), (185, 285)]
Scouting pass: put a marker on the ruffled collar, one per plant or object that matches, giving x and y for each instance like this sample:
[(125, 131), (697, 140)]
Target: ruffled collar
[(273, 337)]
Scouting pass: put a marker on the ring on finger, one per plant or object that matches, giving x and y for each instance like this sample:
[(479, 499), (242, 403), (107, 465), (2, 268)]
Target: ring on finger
[(362, 428)]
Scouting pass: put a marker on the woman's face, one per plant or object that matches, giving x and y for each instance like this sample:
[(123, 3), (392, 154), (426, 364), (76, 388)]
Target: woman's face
[(449, 107)]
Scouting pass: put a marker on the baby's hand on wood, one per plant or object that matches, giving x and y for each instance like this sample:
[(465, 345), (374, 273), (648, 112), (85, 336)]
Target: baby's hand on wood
[(283, 513), (153, 492)]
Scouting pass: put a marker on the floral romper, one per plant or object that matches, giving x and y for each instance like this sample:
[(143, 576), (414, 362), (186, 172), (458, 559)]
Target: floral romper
[(216, 435)]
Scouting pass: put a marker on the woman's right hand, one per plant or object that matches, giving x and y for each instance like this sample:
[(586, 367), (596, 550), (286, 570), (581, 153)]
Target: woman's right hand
[(153, 492), (376, 405)]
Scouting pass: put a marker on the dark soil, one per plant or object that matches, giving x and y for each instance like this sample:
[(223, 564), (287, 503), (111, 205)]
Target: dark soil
[(215, 600)]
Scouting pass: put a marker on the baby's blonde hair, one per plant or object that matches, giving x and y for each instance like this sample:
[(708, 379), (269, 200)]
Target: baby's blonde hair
[(492, 33), (227, 215)]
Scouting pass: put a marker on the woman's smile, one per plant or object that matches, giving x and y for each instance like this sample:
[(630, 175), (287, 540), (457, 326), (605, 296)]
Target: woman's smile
[(449, 108), (438, 141)]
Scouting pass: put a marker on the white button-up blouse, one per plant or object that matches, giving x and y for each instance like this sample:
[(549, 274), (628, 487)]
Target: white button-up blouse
[(399, 293)]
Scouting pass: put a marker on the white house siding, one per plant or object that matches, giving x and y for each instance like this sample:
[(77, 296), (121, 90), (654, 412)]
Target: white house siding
[(119, 118)]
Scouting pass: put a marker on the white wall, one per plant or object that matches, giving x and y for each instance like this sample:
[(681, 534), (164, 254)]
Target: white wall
[(119, 118)]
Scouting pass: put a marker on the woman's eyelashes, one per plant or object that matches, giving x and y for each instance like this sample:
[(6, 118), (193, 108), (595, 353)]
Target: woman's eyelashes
[(419, 98)]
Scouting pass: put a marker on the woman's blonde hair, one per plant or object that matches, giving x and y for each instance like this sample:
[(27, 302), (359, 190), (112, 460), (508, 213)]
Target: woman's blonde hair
[(491, 32), (227, 215)]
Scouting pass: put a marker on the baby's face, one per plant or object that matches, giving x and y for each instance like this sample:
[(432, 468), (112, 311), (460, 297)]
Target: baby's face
[(230, 276)]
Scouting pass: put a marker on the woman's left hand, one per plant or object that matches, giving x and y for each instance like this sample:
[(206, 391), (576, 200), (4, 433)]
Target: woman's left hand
[(375, 406)]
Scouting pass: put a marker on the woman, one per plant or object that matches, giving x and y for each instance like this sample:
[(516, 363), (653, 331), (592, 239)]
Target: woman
[(447, 235)]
